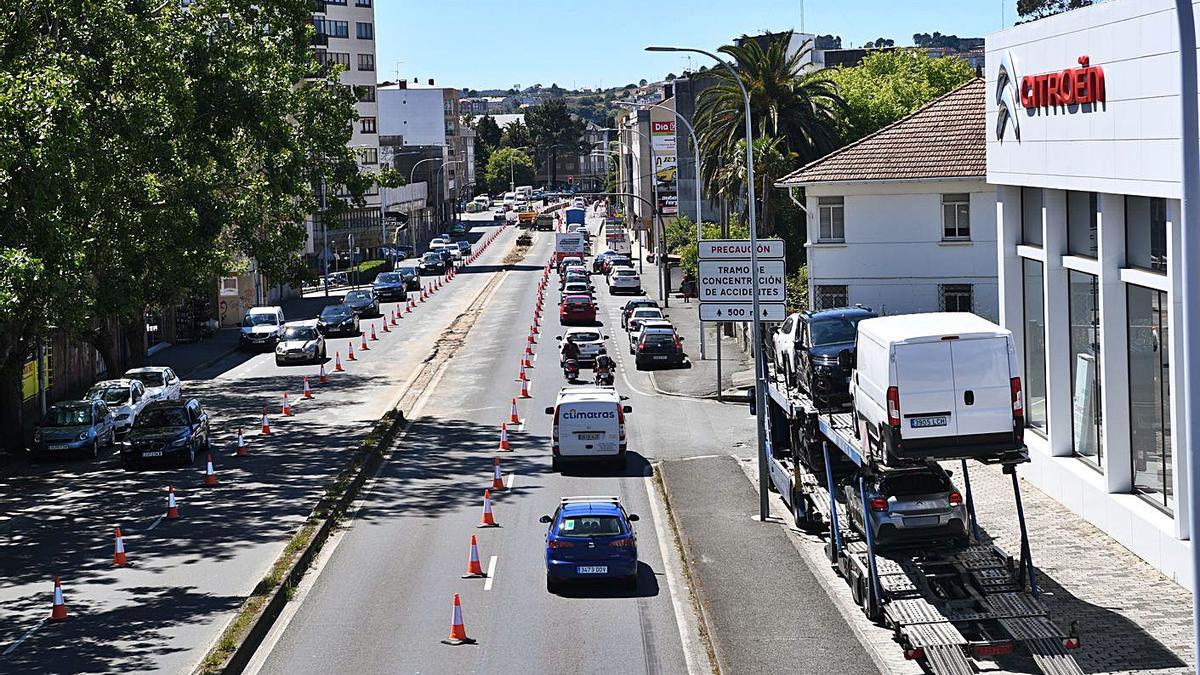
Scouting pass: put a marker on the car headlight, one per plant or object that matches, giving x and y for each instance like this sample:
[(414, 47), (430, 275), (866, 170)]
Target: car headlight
[(179, 442), (83, 436), (279, 348), (37, 437)]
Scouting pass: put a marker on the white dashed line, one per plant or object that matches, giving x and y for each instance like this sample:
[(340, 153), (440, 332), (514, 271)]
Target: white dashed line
[(508, 484), (13, 647), (491, 574), (155, 523)]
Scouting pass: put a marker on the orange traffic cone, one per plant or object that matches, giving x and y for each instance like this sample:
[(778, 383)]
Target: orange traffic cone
[(423, 296), (504, 438), (350, 350), (374, 337), (531, 340), (512, 417), (58, 612), (363, 347), (241, 444), (119, 550), (385, 328), (307, 389), (266, 425), (488, 520), (458, 632), (287, 409), (322, 378), (521, 376), (533, 329), (497, 478), (525, 390), (172, 506), (337, 363), (210, 476), (474, 571)]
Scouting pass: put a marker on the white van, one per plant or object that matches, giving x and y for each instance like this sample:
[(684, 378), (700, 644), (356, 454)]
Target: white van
[(941, 385), (589, 425), (484, 201), (261, 327)]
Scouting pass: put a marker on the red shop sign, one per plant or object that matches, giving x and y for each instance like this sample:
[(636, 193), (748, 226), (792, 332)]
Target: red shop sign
[(1081, 85)]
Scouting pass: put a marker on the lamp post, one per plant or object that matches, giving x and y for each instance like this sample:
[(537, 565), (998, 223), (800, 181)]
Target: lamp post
[(759, 362), (412, 235), (654, 190)]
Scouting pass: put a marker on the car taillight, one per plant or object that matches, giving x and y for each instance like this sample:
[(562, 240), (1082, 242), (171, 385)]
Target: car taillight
[(879, 504), (678, 346), (558, 543), (621, 543), (1018, 402), (621, 421), (1072, 643), (955, 498), (641, 346), (893, 406)]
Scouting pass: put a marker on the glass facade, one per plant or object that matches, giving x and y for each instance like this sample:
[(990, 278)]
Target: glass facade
[(1146, 233), (1031, 216), (1081, 223), (1033, 286), (1084, 318), (1150, 395)]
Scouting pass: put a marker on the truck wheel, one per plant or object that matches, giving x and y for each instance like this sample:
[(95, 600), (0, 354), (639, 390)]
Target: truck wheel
[(857, 590)]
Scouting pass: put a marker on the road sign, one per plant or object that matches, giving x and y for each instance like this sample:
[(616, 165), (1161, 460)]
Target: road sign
[(731, 281), (733, 249), (731, 311)]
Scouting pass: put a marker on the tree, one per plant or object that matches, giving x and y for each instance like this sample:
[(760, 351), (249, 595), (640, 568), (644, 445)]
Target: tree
[(642, 82), (889, 85), (552, 130), (829, 42), (506, 167), (1032, 10), (880, 43), (771, 162), (669, 77), (487, 139), (802, 109), (515, 135)]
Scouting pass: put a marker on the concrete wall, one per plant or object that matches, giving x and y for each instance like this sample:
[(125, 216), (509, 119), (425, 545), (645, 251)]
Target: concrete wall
[(417, 115)]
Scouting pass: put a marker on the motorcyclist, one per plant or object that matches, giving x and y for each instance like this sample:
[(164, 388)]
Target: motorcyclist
[(605, 363), (570, 350)]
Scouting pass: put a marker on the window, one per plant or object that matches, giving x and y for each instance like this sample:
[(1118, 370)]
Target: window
[(372, 190), (1150, 395), (1084, 321), (832, 212), (336, 2), (1033, 286), (368, 124), (362, 3), (366, 93), (829, 297), (1081, 223), (956, 297), (956, 216), (364, 30), (366, 62), (1031, 216), (369, 155), (1146, 233), (337, 29), (333, 58)]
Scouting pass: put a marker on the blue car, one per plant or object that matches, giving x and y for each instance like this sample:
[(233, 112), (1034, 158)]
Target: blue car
[(390, 286), (74, 427), (591, 538)]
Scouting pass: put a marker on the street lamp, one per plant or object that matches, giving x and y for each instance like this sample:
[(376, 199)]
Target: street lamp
[(412, 235), (662, 291), (759, 362)]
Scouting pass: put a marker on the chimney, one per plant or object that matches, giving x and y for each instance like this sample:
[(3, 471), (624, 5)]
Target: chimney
[(668, 90), (431, 81), (403, 84)]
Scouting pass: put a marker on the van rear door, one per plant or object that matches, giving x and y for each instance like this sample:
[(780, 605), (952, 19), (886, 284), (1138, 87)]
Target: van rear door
[(588, 428), (983, 395), (925, 383)]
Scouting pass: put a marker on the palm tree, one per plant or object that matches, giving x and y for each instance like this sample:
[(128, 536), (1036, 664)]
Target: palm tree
[(802, 109), (771, 162)]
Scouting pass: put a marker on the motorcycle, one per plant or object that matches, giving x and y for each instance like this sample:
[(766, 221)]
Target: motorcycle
[(604, 377), (570, 370)]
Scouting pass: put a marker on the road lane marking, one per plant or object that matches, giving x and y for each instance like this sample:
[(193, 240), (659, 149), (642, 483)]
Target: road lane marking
[(13, 647), (155, 523), (491, 574), (509, 482)]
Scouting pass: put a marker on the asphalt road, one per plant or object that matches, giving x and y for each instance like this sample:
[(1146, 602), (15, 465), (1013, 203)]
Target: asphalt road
[(188, 576)]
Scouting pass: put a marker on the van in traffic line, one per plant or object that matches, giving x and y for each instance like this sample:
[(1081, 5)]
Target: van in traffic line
[(939, 384), (589, 426)]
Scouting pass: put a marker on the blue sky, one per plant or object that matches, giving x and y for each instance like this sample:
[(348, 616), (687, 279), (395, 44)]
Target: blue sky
[(486, 43)]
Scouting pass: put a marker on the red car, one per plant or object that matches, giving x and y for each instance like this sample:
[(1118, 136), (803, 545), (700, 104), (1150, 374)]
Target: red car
[(577, 309)]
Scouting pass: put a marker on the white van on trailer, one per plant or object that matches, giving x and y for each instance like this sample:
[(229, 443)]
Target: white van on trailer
[(589, 425), (941, 385)]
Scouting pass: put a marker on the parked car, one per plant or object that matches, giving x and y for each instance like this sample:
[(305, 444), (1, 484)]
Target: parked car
[(161, 382), (635, 332), (337, 320), (261, 327), (939, 384), (411, 276), (74, 428), (167, 432), (577, 309), (624, 280), (806, 348), (909, 505), (588, 426), (658, 347), (364, 303), (631, 305), (591, 538), (458, 229), (389, 286), (301, 342), (432, 263), (589, 340), (464, 246), (125, 398)]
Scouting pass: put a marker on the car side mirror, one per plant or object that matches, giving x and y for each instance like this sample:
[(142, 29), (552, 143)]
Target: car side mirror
[(549, 411), (774, 329), (845, 359), (633, 518), (558, 337), (681, 338), (627, 409), (605, 337), (544, 519), (950, 472)]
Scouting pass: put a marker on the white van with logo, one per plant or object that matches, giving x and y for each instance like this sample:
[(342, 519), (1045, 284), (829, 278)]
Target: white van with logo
[(938, 385), (589, 425)]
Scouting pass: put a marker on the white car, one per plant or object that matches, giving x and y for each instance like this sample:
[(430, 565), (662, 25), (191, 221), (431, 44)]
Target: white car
[(589, 340), (301, 341), (624, 280), (579, 203), (635, 333), (161, 383), (125, 398), (641, 314), (455, 252), (576, 288)]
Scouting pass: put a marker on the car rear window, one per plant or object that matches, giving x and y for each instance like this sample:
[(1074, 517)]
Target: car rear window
[(150, 378), (590, 526), (909, 484), (583, 337), (578, 301)]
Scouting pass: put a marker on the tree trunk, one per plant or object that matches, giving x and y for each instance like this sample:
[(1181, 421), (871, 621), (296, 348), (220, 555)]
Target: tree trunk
[(12, 427), (553, 168), (103, 341), (134, 331)]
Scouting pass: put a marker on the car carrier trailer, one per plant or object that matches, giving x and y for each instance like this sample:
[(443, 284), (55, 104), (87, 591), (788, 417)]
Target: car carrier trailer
[(947, 604)]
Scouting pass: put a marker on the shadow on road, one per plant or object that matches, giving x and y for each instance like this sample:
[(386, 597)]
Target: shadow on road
[(647, 587)]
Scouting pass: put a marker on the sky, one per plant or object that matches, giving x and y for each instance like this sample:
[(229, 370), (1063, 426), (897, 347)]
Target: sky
[(482, 44)]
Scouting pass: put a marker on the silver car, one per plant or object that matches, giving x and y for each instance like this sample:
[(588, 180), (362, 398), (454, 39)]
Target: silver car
[(300, 342), (125, 398), (906, 505)]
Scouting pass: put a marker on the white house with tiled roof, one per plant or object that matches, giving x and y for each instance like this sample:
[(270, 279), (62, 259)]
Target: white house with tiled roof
[(903, 220)]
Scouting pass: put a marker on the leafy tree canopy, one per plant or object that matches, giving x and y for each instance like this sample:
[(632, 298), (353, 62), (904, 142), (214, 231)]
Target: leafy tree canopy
[(1031, 10), (508, 166)]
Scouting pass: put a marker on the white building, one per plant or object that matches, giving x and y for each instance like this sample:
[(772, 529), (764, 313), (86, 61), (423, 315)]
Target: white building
[(1083, 146), (902, 220)]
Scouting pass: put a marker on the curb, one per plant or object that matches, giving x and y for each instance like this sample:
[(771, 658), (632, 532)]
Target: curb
[(740, 397), (210, 362)]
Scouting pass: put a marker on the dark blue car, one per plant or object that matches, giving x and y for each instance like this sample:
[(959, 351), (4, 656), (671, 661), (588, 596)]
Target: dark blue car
[(590, 538), (390, 286)]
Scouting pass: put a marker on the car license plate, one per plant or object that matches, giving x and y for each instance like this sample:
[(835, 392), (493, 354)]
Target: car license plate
[(660, 358), (926, 422), (594, 569), (153, 453), (59, 446), (921, 521), (589, 436)]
